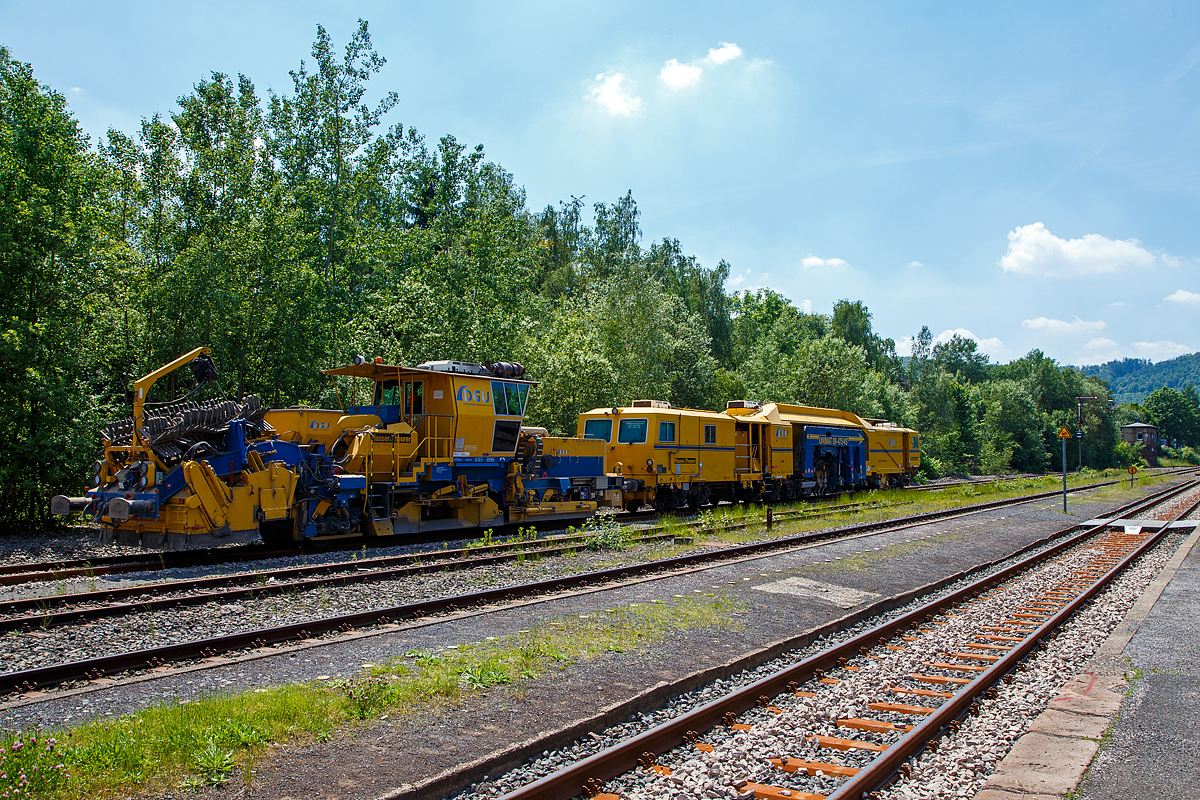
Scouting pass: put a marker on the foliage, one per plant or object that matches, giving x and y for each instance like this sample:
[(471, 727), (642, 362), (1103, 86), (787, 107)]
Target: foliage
[(31, 765), (605, 533), (50, 193), (1132, 379), (1176, 414)]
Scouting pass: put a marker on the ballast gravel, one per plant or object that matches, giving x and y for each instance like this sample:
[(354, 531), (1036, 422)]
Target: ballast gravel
[(20, 650), (958, 768), (30, 649)]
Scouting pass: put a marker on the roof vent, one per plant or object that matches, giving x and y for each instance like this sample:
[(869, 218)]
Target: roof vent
[(506, 369), (651, 404), (743, 404)]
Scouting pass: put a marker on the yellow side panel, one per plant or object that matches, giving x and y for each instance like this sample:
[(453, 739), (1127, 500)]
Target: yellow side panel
[(242, 507), (691, 457), (303, 425), (573, 448), (273, 490), (885, 451), (476, 416), (781, 450)]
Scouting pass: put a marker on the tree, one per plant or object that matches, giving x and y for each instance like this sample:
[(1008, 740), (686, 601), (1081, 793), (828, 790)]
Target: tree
[(50, 189), (1177, 417), (335, 168), (960, 356), (830, 373)]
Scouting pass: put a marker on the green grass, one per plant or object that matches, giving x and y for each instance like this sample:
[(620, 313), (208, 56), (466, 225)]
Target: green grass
[(203, 742)]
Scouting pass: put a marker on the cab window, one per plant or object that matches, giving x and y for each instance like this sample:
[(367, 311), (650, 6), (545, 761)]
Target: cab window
[(710, 434), (666, 431), (508, 399), (598, 429), (633, 431), (387, 393)]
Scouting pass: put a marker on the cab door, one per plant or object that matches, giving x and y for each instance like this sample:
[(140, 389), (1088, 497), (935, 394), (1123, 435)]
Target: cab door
[(685, 458), (414, 401)]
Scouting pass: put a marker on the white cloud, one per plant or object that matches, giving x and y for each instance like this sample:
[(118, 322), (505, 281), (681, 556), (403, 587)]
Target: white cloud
[(1058, 326), (914, 264), (1184, 296), (813, 262), (992, 346), (728, 51), (609, 93), (1172, 261), (1098, 351), (1033, 250), (806, 306), (1160, 350), (1119, 304), (76, 89), (680, 76)]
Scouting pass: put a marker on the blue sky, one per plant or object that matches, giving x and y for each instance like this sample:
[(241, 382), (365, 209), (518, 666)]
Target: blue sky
[(1027, 173)]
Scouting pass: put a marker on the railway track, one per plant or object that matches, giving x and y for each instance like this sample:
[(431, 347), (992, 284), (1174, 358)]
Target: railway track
[(73, 671), (65, 569), (855, 719)]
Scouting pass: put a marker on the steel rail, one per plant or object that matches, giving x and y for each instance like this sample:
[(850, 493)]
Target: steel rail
[(443, 559), (888, 764), (457, 560), (547, 544), (365, 570), (12, 574), (99, 666), (587, 775)]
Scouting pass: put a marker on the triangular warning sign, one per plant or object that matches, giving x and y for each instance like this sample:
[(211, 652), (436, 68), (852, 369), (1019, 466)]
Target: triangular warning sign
[(1063, 433)]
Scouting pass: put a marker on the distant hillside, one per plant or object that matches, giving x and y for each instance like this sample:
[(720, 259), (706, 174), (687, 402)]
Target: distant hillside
[(1131, 379)]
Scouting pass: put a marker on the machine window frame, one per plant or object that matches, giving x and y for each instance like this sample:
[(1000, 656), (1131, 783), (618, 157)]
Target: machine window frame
[(666, 432), (508, 396), (505, 435), (587, 423), (710, 434), (632, 424), (385, 391), (414, 398)]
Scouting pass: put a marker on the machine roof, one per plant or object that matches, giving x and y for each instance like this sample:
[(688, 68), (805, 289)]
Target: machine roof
[(642, 411), (385, 371)]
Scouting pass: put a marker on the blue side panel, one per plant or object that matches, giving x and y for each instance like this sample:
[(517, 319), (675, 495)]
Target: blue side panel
[(848, 444), (172, 484), (575, 467), (275, 450), (388, 415)]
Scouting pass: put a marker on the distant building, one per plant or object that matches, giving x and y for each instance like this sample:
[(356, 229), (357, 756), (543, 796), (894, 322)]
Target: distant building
[(1146, 436)]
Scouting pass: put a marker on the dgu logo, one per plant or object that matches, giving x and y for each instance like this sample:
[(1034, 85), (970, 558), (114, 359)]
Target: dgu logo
[(782, 433), (468, 395), (319, 426)]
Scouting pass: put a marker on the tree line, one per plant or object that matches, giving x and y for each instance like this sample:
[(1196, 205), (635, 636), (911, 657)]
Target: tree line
[(293, 230)]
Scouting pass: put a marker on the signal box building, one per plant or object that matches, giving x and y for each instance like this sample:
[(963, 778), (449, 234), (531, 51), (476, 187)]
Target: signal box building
[(1139, 433)]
